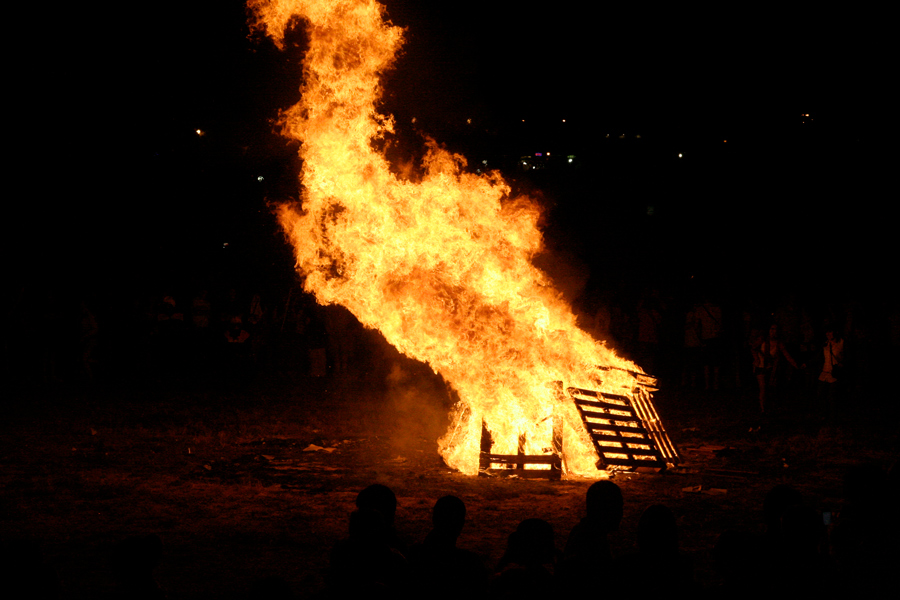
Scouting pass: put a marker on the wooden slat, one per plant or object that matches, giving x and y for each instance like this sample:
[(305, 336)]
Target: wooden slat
[(631, 462), (620, 428), (601, 406), (515, 459), (600, 396), (599, 437), (524, 473), (632, 453)]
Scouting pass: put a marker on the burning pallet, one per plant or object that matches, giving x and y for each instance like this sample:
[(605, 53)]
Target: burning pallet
[(515, 464), (625, 430)]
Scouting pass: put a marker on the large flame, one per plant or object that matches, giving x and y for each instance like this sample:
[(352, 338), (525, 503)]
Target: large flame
[(441, 266)]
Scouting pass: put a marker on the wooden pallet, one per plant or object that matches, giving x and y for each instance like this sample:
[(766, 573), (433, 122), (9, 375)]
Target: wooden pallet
[(516, 465), (626, 431)]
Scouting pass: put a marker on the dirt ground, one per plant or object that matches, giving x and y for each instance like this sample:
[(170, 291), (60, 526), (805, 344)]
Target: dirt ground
[(257, 479)]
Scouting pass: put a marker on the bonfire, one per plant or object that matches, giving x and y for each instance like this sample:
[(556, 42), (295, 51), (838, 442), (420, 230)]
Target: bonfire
[(441, 263)]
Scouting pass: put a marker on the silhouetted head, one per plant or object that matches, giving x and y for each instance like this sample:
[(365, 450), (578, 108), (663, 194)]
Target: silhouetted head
[(381, 498), (136, 557), (449, 515), (658, 532), (734, 554), (778, 500), (605, 504), (531, 544), (270, 588), (802, 529), (368, 525), (864, 483)]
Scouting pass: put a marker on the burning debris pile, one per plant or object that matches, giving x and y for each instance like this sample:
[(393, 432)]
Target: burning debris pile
[(441, 266)]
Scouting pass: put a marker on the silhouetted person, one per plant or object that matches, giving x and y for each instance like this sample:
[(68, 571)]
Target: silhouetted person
[(866, 535), (709, 315), (831, 375), (364, 565), (804, 570), (440, 569), (380, 498), (587, 556), (527, 568), (769, 354), (777, 502), (24, 573), (270, 588), (692, 349), (658, 567), (133, 563), (739, 560)]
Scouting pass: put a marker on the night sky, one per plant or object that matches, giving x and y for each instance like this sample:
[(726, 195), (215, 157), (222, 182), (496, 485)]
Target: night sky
[(122, 188)]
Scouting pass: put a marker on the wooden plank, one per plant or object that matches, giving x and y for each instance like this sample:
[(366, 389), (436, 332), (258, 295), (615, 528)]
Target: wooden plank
[(524, 473), (516, 459), (591, 404), (632, 453), (631, 462), (591, 427), (606, 400), (624, 440)]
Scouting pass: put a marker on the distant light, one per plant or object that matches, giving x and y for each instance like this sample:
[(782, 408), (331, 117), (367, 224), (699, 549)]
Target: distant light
[(570, 161), (225, 245), (680, 155), (564, 120), (538, 154), (413, 119), (260, 178), (638, 136), (469, 121), (200, 132), (484, 162), (724, 141)]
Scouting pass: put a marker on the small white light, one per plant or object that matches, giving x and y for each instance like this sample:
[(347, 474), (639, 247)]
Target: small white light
[(260, 178), (680, 155)]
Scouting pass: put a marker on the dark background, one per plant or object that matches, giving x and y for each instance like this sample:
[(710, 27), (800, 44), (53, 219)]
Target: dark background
[(120, 181), (123, 197)]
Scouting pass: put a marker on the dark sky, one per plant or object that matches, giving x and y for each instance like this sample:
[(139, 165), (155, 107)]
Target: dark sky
[(120, 181)]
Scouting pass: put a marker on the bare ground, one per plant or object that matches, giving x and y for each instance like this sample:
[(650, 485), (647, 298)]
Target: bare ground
[(258, 479)]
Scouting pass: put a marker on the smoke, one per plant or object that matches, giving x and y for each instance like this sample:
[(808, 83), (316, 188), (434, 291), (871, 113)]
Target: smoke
[(416, 405)]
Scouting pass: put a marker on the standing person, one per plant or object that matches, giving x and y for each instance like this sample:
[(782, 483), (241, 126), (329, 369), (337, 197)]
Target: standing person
[(832, 372), (767, 356), (691, 357), (709, 315)]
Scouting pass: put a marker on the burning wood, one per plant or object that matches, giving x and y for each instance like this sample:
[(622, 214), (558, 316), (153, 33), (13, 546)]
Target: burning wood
[(442, 267)]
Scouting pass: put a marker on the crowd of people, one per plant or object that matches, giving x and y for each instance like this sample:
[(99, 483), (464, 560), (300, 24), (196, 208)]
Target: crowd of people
[(797, 551), (817, 349)]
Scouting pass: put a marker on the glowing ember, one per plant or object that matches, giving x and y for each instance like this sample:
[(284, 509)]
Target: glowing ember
[(441, 266)]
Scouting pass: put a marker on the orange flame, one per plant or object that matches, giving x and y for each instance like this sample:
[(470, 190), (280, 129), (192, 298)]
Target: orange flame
[(441, 267)]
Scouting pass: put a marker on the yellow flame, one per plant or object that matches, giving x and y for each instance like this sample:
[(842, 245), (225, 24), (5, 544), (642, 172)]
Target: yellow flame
[(442, 267)]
